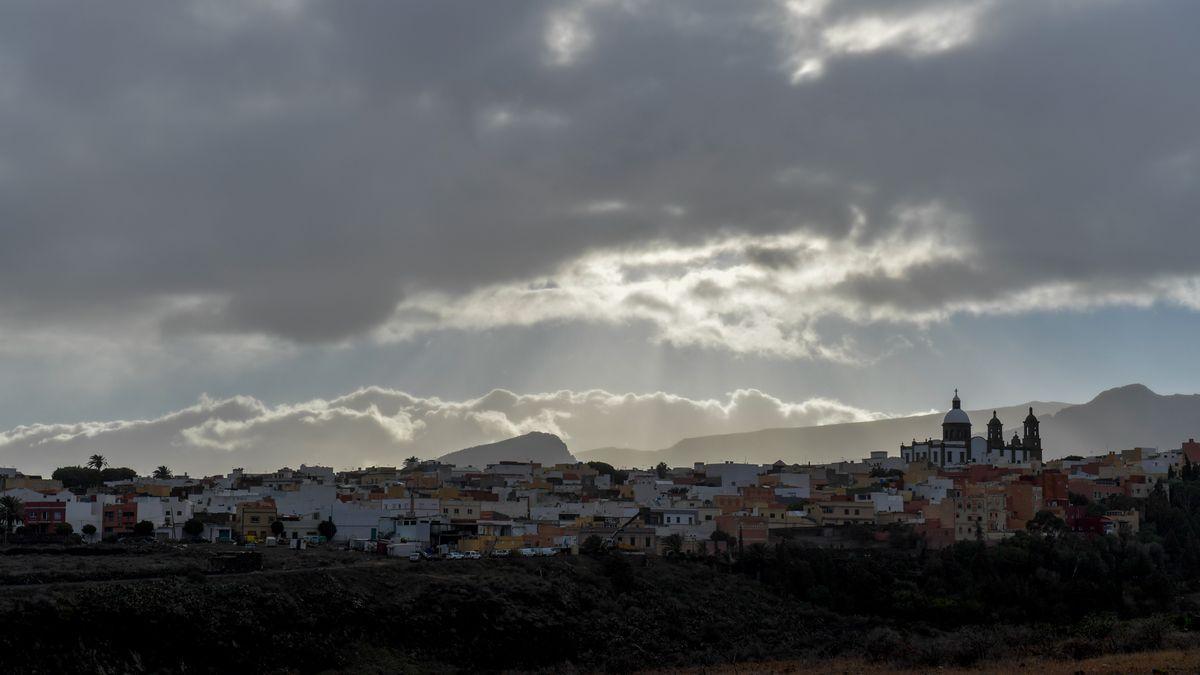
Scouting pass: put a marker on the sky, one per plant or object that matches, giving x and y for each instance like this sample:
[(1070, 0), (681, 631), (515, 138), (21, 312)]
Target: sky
[(260, 233)]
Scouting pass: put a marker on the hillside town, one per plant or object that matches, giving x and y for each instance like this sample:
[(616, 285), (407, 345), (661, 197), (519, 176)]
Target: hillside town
[(961, 487)]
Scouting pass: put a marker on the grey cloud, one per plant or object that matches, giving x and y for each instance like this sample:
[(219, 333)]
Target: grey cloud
[(708, 289), (303, 170), (773, 258)]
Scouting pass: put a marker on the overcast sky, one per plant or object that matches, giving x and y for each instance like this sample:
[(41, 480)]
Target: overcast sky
[(820, 210)]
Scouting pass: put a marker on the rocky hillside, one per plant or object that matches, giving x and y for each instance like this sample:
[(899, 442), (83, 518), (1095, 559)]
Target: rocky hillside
[(535, 446), (1123, 417)]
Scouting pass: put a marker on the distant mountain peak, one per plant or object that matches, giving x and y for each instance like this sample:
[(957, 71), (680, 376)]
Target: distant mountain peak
[(1129, 393), (535, 446)]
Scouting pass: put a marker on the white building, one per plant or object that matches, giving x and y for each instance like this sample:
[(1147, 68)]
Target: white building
[(733, 474), (958, 447)]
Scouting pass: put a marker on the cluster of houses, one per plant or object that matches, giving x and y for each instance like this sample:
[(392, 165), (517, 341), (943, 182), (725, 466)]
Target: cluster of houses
[(703, 508)]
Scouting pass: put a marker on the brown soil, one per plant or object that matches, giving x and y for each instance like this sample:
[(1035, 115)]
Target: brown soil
[(1164, 661)]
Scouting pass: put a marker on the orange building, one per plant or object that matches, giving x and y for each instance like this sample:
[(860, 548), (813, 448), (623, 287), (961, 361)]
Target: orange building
[(119, 518), (749, 529)]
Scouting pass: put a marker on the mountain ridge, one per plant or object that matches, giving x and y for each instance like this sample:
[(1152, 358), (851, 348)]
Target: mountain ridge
[(1116, 418), (1119, 417)]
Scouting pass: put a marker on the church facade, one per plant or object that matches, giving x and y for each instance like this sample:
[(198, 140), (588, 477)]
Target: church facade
[(958, 447)]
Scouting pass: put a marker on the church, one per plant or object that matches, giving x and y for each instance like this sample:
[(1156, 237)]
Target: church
[(958, 447)]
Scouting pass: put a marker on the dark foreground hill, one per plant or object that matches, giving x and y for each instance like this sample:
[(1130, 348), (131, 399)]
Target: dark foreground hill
[(579, 614)]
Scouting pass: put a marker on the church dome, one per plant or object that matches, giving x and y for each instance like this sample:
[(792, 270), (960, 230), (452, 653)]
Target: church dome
[(957, 416)]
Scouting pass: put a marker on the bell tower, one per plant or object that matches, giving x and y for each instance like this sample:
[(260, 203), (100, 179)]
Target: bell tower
[(1033, 436), (995, 433)]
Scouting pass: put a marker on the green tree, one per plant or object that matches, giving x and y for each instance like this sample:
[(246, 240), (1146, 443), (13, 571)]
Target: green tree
[(143, 528), (277, 527), (97, 462), (63, 529), (605, 469), (327, 529), (1045, 522), (662, 469), (76, 477), (89, 530), (673, 544), (593, 546), (722, 535), (163, 472), (412, 463), (11, 509), (119, 473), (193, 528)]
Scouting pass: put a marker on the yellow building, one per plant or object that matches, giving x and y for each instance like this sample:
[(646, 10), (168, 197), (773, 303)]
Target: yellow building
[(35, 483), (253, 520), (461, 509), (844, 513)]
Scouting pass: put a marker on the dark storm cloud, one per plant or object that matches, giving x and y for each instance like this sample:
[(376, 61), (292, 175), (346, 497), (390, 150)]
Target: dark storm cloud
[(297, 169)]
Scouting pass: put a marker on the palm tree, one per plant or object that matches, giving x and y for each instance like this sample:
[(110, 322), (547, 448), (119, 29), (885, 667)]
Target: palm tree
[(163, 472), (411, 462), (98, 462), (10, 513)]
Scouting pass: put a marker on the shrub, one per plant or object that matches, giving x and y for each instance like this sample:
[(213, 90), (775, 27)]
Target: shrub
[(593, 546), (883, 644), (327, 529)]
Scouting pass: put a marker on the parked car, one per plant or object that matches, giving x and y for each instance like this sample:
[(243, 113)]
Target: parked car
[(500, 553), (547, 551), (414, 557), (527, 552), (473, 555), (455, 555)]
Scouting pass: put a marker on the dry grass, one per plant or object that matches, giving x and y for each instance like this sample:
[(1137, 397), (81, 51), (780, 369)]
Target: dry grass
[(1164, 661)]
